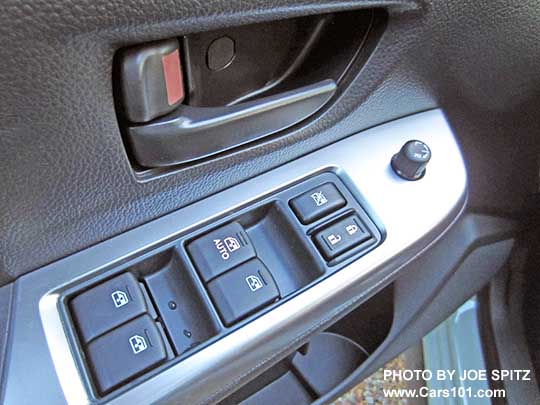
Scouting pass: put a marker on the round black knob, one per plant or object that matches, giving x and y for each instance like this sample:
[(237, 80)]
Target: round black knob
[(411, 161)]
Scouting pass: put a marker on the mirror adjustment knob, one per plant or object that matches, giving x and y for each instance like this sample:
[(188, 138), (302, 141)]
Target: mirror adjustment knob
[(411, 161)]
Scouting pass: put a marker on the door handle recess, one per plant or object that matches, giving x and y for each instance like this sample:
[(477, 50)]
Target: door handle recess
[(191, 133)]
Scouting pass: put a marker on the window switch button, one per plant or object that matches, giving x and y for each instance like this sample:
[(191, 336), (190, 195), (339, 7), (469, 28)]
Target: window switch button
[(221, 250), (341, 236), (107, 306), (243, 290), (126, 352), (316, 203)]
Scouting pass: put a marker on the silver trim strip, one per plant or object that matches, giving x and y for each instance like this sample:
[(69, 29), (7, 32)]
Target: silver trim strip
[(40, 367)]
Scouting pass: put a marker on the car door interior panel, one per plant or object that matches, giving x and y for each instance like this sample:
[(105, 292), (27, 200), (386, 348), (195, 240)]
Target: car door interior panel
[(307, 240), (260, 202)]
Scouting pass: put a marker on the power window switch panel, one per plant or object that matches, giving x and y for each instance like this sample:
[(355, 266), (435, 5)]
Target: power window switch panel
[(126, 353), (107, 306), (341, 236), (242, 291), (316, 203), (221, 250)]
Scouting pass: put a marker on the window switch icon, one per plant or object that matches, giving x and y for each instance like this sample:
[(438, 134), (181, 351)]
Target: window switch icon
[(232, 244), (138, 344), (119, 298), (254, 282)]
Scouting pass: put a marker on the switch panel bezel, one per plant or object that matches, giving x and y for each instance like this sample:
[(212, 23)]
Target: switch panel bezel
[(298, 267)]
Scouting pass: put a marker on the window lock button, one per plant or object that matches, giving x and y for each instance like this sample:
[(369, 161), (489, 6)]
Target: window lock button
[(316, 203), (221, 250)]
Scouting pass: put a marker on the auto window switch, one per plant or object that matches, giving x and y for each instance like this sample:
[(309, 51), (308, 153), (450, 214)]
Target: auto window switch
[(243, 290), (221, 250), (316, 203), (107, 306), (126, 352), (341, 236)]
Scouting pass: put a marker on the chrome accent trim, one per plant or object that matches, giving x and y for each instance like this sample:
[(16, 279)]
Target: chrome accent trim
[(41, 368)]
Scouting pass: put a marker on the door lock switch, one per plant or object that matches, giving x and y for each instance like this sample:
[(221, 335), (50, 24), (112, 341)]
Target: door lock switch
[(243, 290), (316, 203), (221, 250), (341, 236), (107, 306)]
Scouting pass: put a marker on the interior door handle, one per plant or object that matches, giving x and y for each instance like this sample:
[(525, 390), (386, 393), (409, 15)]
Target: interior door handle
[(192, 133)]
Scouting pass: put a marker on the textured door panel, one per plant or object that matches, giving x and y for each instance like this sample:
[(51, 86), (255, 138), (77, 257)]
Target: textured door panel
[(67, 183)]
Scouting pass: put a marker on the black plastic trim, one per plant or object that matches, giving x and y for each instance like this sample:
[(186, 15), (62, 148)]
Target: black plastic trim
[(192, 133)]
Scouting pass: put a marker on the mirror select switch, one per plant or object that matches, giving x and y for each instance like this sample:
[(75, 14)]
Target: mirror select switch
[(341, 236), (107, 306), (243, 290), (221, 250), (316, 203), (126, 352)]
